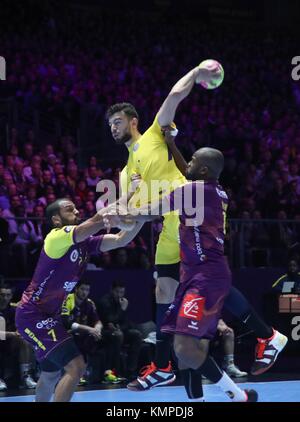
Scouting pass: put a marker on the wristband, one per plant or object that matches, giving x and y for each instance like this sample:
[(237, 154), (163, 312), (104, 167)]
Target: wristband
[(174, 132), (75, 326)]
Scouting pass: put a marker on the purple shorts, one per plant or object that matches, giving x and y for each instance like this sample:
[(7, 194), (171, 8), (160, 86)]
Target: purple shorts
[(197, 307), (45, 333)]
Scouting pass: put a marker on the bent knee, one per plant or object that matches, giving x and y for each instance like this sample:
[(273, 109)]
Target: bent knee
[(76, 367), (165, 290)]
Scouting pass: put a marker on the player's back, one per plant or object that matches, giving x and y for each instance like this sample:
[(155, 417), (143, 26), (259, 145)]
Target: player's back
[(202, 226)]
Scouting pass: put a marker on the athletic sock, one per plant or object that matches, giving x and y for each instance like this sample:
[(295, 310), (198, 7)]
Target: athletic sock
[(237, 304), (212, 372), (228, 360), (163, 340), (253, 321), (234, 392), (192, 380)]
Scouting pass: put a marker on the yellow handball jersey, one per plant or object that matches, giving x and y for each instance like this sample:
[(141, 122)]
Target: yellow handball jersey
[(150, 157)]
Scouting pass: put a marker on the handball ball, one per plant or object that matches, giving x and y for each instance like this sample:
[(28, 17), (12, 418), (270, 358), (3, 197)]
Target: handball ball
[(217, 77)]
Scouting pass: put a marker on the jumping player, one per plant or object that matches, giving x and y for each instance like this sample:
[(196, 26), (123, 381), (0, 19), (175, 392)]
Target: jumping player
[(61, 264), (205, 278), (150, 158)]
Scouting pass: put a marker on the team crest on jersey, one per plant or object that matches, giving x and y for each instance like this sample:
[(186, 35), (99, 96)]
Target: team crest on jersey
[(192, 306), (136, 147), (68, 229), (74, 255)]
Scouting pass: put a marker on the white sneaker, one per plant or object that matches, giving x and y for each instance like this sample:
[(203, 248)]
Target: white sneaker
[(3, 386), (267, 351), (28, 382), (234, 371)]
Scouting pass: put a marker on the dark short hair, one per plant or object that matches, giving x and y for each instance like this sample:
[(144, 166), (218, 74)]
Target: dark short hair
[(118, 283), (53, 209), (81, 283), (127, 108)]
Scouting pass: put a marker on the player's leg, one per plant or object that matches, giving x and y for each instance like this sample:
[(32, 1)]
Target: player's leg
[(160, 371), (167, 262), (270, 341), (228, 365), (193, 353), (65, 388), (46, 385), (165, 290), (25, 354), (188, 353), (54, 345)]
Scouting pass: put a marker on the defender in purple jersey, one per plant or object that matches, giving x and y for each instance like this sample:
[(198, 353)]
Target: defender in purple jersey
[(205, 278), (62, 262)]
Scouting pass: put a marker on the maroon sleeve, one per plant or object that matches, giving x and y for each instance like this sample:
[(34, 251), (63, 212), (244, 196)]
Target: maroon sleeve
[(93, 244)]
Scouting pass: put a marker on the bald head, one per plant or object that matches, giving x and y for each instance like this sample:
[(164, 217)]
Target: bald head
[(207, 163)]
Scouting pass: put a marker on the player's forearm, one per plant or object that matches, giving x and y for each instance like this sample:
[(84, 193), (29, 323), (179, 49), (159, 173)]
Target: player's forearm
[(91, 226), (183, 87), (178, 157), (179, 91), (124, 237), (75, 327)]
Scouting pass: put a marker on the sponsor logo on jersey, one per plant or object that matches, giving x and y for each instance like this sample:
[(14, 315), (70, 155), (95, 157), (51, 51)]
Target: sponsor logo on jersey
[(47, 323), (37, 294), (192, 306), (74, 255), (193, 325), (69, 285)]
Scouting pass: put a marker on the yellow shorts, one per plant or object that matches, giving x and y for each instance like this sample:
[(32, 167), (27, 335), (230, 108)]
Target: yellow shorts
[(167, 249)]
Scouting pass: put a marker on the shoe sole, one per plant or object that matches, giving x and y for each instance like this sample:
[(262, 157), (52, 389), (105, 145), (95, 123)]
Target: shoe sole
[(160, 384), (266, 368)]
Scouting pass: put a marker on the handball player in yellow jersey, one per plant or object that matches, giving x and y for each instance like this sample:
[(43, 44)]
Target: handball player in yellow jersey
[(150, 158)]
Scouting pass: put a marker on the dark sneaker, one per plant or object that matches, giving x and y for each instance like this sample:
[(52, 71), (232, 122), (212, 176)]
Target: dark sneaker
[(266, 352), (151, 377)]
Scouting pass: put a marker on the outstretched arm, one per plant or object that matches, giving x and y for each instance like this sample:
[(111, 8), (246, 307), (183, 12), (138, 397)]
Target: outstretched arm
[(93, 225), (121, 239), (181, 90)]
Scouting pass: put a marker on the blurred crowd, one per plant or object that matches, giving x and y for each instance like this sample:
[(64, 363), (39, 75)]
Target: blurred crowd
[(61, 59)]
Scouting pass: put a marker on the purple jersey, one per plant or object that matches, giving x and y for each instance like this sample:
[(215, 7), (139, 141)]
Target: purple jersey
[(205, 277), (61, 264), (203, 205)]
